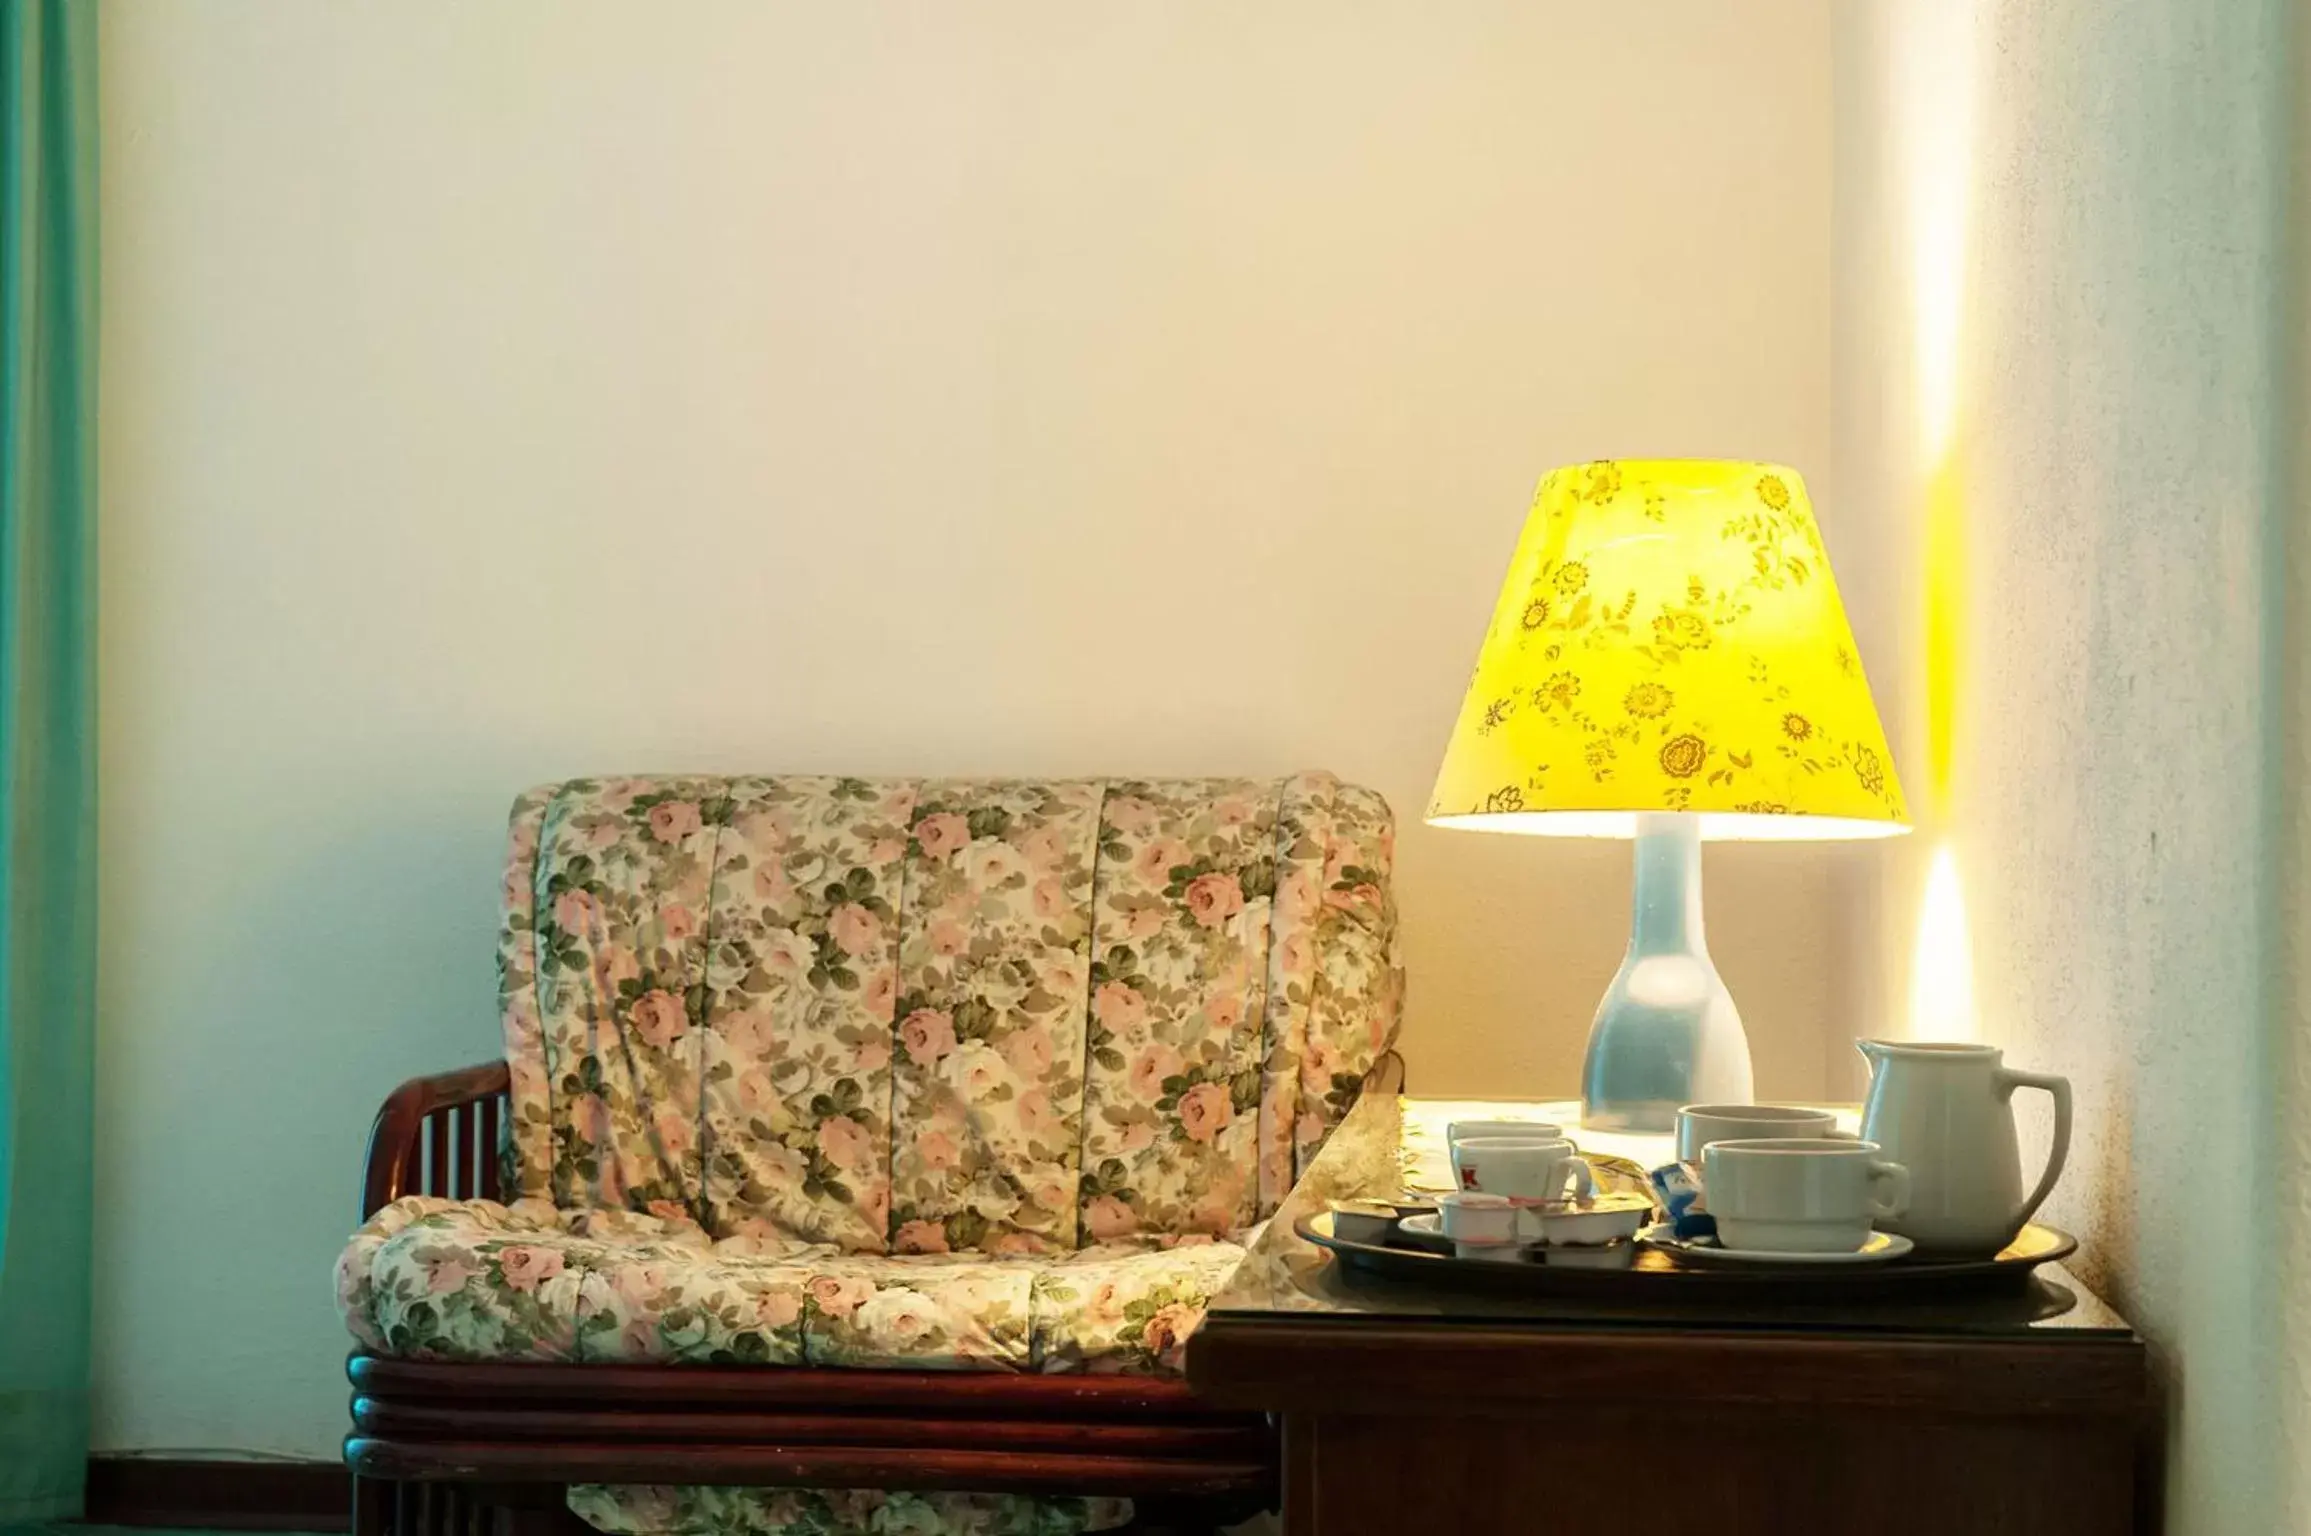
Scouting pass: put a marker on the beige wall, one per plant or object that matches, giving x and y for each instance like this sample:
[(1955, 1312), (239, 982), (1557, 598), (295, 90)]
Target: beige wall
[(2063, 218), (2286, 1146), (495, 393)]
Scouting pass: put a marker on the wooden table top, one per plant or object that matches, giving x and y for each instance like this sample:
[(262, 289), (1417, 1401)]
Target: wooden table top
[(1390, 1146)]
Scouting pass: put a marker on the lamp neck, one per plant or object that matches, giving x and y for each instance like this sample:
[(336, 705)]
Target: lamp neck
[(1666, 911)]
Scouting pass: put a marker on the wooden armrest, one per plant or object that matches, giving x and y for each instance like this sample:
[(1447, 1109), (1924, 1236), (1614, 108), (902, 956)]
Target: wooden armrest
[(397, 1139)]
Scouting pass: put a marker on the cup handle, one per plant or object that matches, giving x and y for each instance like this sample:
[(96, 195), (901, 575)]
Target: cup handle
[(1897, 1199), (2010, 1079), (1584, 1178)]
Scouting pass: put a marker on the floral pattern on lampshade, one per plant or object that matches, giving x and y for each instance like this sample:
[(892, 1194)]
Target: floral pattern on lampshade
[(1669, 638)]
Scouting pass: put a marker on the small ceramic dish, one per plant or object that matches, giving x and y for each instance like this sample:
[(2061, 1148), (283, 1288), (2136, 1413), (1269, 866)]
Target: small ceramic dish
[(1605, 1218), (1426, 1230)]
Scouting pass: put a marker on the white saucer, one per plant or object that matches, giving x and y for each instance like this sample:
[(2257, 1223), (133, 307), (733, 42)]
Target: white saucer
[(1428, 1226), (1881, 1247)]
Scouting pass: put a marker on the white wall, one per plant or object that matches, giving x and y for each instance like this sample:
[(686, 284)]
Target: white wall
[(2063, 218), (497, 393)]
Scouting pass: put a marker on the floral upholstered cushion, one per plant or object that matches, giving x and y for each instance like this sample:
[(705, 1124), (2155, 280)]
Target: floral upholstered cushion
[(649, 1510), (919, 1311), (987, 1070), (938, 1016), (1182, 921), (1120, 1310), (474, 1280), (429, 1278)]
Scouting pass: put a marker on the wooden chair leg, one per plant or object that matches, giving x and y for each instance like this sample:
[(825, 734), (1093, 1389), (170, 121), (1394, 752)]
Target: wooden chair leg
[(372, 1507)]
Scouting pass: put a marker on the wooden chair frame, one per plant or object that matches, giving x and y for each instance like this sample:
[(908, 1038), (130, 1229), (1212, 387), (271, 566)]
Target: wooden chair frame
[(444, 1448)]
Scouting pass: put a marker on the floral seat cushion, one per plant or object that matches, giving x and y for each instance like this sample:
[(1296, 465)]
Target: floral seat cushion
[(474, 1280)]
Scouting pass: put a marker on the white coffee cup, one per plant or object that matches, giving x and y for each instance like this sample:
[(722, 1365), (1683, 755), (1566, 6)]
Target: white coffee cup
[(1528, 1170), (1700, 1124), (1459, 1131), (1800, 1194)]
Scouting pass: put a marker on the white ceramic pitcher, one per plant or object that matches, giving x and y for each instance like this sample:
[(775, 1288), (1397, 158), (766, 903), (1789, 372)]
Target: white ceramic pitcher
[(1945, 1112)]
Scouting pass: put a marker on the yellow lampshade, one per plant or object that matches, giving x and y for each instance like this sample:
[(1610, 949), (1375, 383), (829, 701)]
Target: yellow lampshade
[(1669, 638)]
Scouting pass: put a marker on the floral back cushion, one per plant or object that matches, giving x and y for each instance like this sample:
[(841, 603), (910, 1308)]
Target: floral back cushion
[(1009, 1016), (987, 1074), (1181, 927), (801, 983)]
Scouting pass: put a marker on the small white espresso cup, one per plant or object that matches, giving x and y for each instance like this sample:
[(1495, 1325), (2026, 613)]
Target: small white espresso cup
[(1700, 1124), (1800, 1194), (1459, 1131), (1527, 1169)]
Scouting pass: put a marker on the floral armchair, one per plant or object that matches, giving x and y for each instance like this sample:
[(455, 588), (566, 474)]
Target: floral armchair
[(816, 1074)]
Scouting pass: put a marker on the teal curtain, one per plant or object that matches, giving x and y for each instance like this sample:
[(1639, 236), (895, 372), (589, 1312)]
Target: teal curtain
[(47, 746)]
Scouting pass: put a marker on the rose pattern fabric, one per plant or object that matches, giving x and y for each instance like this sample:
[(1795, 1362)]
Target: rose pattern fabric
[(1005, 1017), (987, 1060), (644, 1509), (1115, 1310), (528, 1158), (425, 1279), (428, 1278), (1303, 843), (1187, 872), (436, 1279), (1357, 992), (622, 878), (921, 1311), (801, 984)]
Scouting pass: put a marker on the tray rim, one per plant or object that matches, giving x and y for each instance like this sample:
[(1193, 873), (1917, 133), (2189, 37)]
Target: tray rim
[(1912, 1275)]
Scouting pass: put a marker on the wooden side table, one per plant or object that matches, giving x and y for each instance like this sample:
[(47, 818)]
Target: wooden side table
[(1412, 1409)]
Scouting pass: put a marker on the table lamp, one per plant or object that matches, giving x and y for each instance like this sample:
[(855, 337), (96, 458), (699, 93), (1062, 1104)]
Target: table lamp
[(1668, 662)]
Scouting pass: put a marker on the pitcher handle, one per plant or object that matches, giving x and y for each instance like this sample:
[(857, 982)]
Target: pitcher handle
[(2010, 1079), (1895, 1203)]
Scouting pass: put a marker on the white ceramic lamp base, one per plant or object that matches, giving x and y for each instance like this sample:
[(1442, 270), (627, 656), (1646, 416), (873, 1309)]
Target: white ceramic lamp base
[(1667, 1033)]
